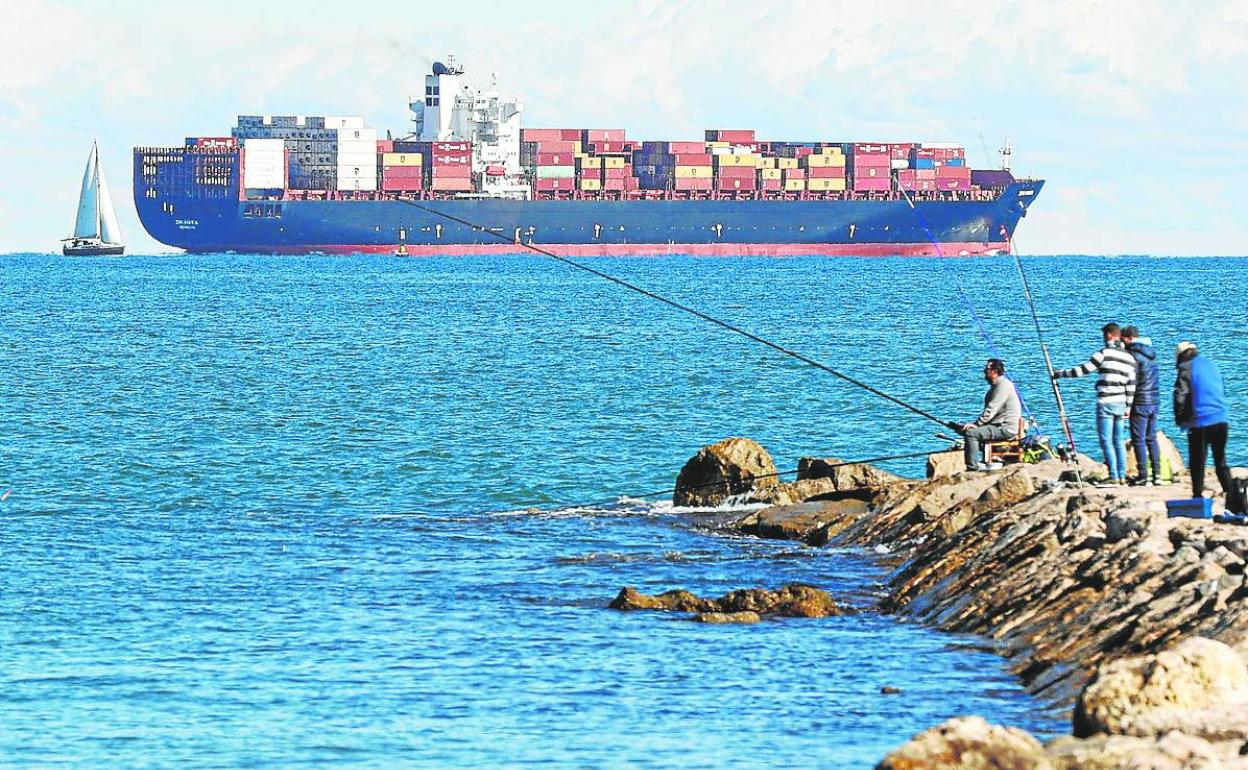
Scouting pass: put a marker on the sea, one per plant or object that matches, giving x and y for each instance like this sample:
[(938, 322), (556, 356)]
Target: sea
[(369, 512)]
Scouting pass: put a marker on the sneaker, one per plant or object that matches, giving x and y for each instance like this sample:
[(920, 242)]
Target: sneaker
[(994, 466), (1150, 483), (1122, 482)]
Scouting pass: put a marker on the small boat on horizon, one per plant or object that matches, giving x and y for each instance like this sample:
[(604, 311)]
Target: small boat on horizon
[(96, 232)]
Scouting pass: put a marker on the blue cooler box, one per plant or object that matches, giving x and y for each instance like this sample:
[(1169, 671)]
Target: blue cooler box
[(1196, 508)]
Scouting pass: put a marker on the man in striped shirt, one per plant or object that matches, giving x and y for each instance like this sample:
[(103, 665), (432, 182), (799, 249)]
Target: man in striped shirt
[(1115, 390)]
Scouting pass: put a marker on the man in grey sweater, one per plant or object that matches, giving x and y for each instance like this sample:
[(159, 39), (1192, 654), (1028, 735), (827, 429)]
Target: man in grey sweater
[(1000, 418)]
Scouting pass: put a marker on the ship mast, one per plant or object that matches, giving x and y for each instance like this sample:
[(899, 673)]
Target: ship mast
[(1006, 152)]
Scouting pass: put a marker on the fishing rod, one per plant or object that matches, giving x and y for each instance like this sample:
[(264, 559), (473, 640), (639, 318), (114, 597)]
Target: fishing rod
[(729, 482), (966, 300), (1048, 362), (685, 308)]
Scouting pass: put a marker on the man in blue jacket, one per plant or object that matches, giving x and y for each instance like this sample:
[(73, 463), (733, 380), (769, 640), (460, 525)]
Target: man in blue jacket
[(1200, 408), (1145, 406)]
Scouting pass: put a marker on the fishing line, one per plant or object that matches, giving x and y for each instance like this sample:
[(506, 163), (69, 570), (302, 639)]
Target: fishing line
[(730, 482), (685, 308), (970, 306)]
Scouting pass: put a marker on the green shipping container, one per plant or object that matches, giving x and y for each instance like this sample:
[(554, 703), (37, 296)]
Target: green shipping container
[(556, 172)]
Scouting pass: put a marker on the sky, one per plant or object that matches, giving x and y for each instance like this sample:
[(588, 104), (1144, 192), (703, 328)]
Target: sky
[(1135, 112)]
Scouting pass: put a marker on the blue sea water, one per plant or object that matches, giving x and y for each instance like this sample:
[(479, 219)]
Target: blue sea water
[(348, 512)]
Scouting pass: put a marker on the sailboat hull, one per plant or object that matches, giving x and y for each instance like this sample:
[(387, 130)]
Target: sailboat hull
[(93, 250)]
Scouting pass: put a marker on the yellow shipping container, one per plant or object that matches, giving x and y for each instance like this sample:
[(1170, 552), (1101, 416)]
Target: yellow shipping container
[(830, 151), (614, 162), (576, 147), (794, 185), (401, 159), (590, 162), (693, 172), (770, 173), (825, 184), (718, 144), (786, 162), (736, 160), (767, 163), (591, 185), (825, 161)]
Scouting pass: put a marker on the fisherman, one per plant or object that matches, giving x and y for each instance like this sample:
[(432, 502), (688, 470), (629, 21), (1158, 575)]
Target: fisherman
[(1145, 407), (1200, 409), (999, 419), (1115, 390)]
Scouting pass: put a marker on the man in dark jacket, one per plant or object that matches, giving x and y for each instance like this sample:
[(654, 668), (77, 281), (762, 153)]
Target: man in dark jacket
[(1145, 407), (1200, 408)]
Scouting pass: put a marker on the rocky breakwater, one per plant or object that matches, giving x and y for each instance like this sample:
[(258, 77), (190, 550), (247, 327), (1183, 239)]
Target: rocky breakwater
[(1097, 599)]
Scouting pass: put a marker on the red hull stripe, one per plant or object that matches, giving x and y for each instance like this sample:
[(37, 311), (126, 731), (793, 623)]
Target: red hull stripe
[(660, 249)]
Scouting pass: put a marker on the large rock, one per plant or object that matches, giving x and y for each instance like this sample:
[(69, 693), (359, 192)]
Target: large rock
[(1168, 449), (802, 520), (794, 601), (716, 472), (947, 463), (1199, 687), (1172, 751), (845, 477), (968, 743)]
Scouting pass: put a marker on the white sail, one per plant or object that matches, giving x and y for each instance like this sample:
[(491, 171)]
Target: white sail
[(88, 222), (109, 230)]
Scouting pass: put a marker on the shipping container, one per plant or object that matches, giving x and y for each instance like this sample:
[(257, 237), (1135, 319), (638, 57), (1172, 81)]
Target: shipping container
[(768, 174), (614, 162), (404, 184), (443, 172), (402, 159), (692, 184), (556, 146), (794, 185), (618, 184), (874, 161), (729, 184), (554, 185), (570, 134), (872, 172), (686, 148), (826, 172), (953, 172), (736, 160), (873, 184), (555, 172), (616, 173), (827, 161), (693, 172), (539, 135), (825, 185), (736, 172), (786, 163), (769, 184), (452, 184), (588, 162), (953, 184), (794, 173), (739, 135), (602, 135), (555, 159), (591, 185)]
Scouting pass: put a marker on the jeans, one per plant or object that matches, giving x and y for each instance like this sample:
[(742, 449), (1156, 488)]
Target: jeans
[(1199, 441), (973, 437), (1144, 436), (1109, 428)]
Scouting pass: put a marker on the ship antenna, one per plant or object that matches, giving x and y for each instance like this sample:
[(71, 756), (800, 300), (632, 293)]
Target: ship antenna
[(1007, 153)]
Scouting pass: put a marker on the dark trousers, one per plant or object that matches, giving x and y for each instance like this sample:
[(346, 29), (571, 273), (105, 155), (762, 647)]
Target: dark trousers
[(1199, 441), (1144, 436), (974, 437)]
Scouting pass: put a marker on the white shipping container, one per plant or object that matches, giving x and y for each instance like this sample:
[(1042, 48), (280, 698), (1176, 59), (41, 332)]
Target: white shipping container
[(941, 146), (900, 164), (273, 179), (368, 159), (340, 121), (357, 148), (357, 183), (264, 146), (357, 134)]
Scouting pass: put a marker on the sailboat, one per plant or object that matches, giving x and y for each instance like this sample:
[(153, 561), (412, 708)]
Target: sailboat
[(95, 230)]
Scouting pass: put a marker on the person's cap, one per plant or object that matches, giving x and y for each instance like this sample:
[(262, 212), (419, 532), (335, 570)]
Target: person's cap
[(1131, 331), (1183, 347)]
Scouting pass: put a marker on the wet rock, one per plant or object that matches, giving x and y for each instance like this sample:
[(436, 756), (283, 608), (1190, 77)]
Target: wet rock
[(968, 743), (1200, 686), (844, 477), (890, 690), (801, 520), (795, 601), (723, 618), (793, 492), (630, 598), (730, 467)]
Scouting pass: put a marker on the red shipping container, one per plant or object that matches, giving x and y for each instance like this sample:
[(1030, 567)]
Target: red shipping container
[(616, 173), (603, 135), (880, 161), (736, 135), (802, 152), (736, 172), (873, 184), (924, 173), (872, 172), (692, 183), (824, 172), (735, 184), (770, 184), (452, 184), (557, 146), (552, 185), (953, 172), (686, 148), (691, 158), (953, 184), (924, 152), (868, 148), (402, 172), (614, 185), (570, 134), (795, 173), (446, 172), (385, 145), (453, 156), (901, 151), (555, 159), (451, 146), (399, 185), (632, 183), (608, 148), (906, 175), (539, 134)]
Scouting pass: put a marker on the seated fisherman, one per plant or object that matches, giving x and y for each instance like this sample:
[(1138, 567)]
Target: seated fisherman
[(998, 421)]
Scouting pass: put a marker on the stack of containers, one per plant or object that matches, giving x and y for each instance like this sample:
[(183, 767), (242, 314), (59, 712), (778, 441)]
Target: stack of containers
[(617, 173), (825, 168), (448, 166), (550, 154), (736, 167), (589, 173), (872, 167), (730, 135), (357, 157), (264, 164), (770, 176), (402, 171), (900, 153)]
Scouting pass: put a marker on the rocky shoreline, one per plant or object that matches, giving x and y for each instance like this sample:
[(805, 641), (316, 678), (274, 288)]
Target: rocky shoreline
[(1136, 622)]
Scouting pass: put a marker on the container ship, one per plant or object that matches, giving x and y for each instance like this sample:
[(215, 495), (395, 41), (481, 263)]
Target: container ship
[(470, 180)]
